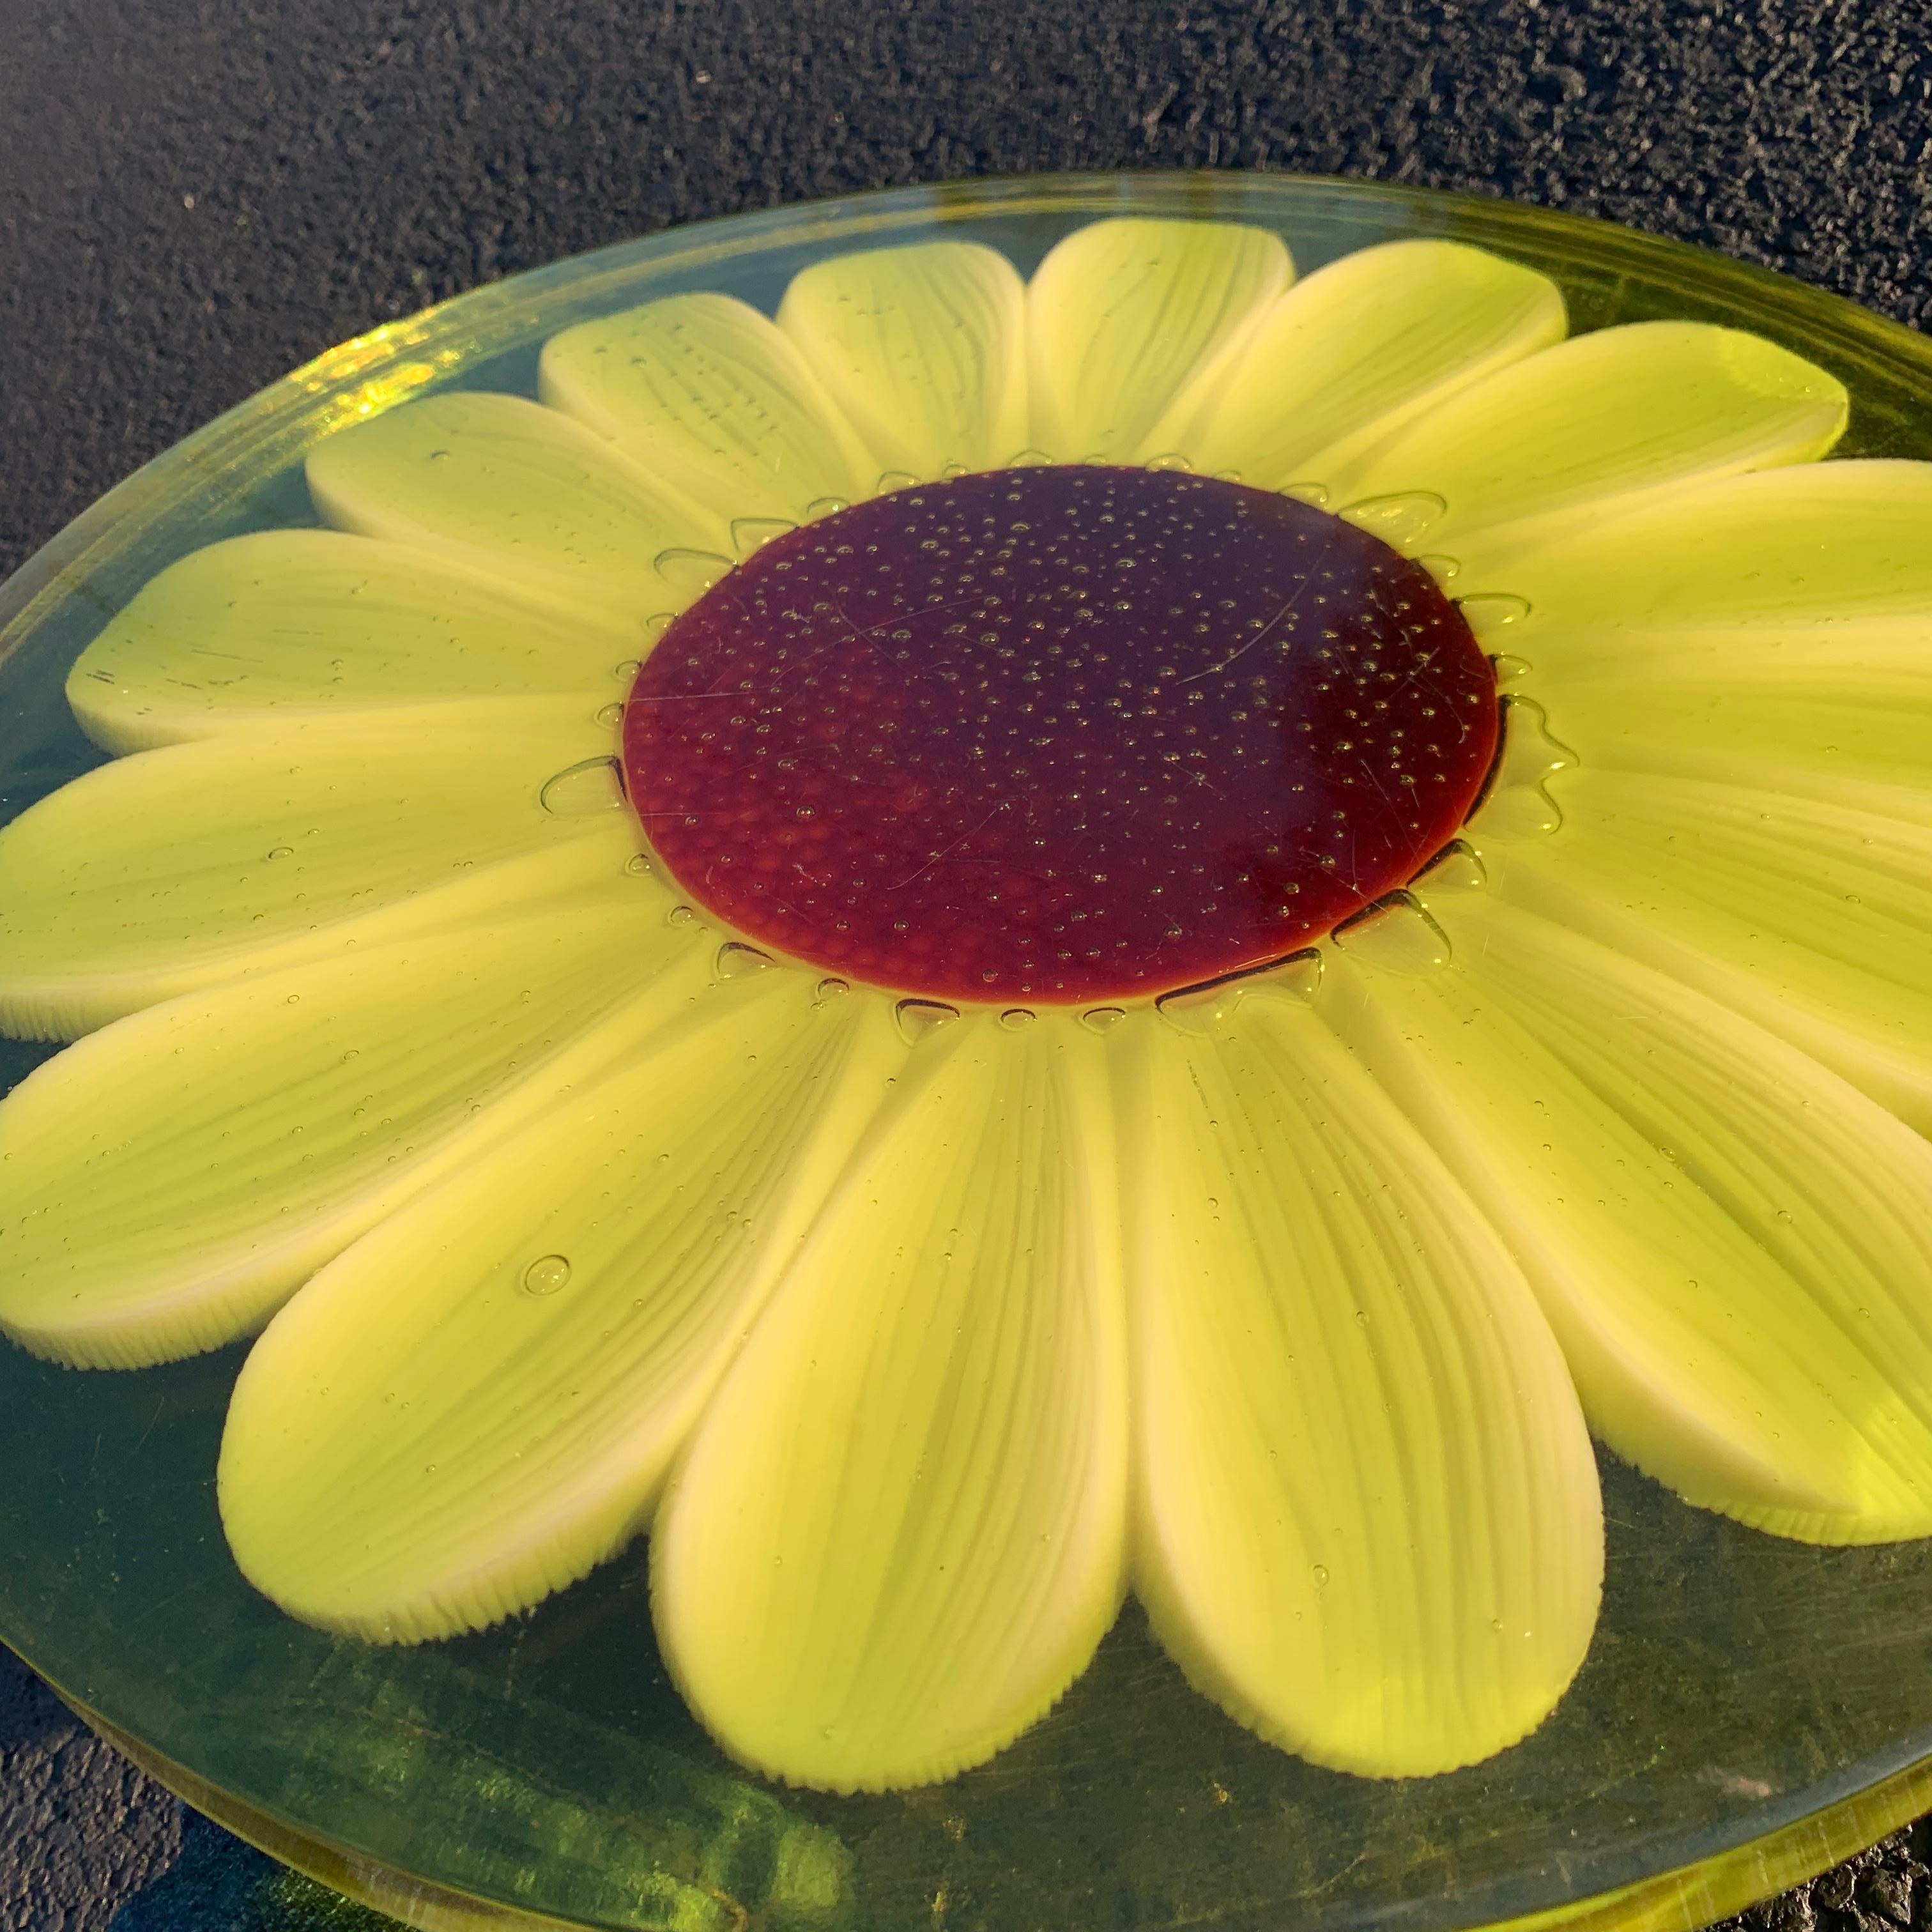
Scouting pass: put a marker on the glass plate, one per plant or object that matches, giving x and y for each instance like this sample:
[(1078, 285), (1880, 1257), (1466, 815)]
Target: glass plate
[(1751, 1708)]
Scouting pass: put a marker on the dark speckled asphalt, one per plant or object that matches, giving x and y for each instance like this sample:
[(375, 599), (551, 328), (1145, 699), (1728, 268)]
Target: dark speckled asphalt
[(195, 195)]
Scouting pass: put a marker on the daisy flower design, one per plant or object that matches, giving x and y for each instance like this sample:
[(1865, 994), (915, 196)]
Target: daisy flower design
[(997, 942)]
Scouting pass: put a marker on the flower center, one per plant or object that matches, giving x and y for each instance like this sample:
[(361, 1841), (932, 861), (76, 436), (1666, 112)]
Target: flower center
[(1059, 734)]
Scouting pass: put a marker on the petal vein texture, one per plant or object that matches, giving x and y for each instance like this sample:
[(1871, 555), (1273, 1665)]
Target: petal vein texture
[(1731, 1242), (1368, 1517), (478, 1401), (900, 1531), (923, 349)]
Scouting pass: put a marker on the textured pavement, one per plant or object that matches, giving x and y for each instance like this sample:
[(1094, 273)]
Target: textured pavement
[(195, 195)]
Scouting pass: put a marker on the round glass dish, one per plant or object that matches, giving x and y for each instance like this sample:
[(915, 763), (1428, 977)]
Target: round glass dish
[(1751, 1708)]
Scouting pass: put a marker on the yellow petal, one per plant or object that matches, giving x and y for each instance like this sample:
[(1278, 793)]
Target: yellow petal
[(1370, 1524), (1359, 349), (172, 1179), (1541, 445), (1845, 720), (1773, 555), (706, 393), (1124, 315), (1810, 917), (505, 485), (290, 623), (179, 867), (1730, 1241), (923, 349), (477, 1402), (1769, 630), (898, 1536)]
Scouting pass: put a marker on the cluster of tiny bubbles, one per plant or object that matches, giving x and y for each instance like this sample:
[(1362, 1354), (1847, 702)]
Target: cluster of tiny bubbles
[(1058, 731), (546, 1274)]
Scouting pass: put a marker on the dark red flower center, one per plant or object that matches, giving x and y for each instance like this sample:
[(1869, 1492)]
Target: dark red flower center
[(1058, 734)]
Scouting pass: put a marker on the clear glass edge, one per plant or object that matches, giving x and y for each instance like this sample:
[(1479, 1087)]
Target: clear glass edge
[(271, 421), (1680, 1900)]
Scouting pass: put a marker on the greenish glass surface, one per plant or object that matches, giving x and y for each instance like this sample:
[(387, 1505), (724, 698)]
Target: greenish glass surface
[(1737, 1685)]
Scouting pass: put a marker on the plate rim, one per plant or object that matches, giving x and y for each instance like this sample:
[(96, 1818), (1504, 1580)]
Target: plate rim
[(266, 429)]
